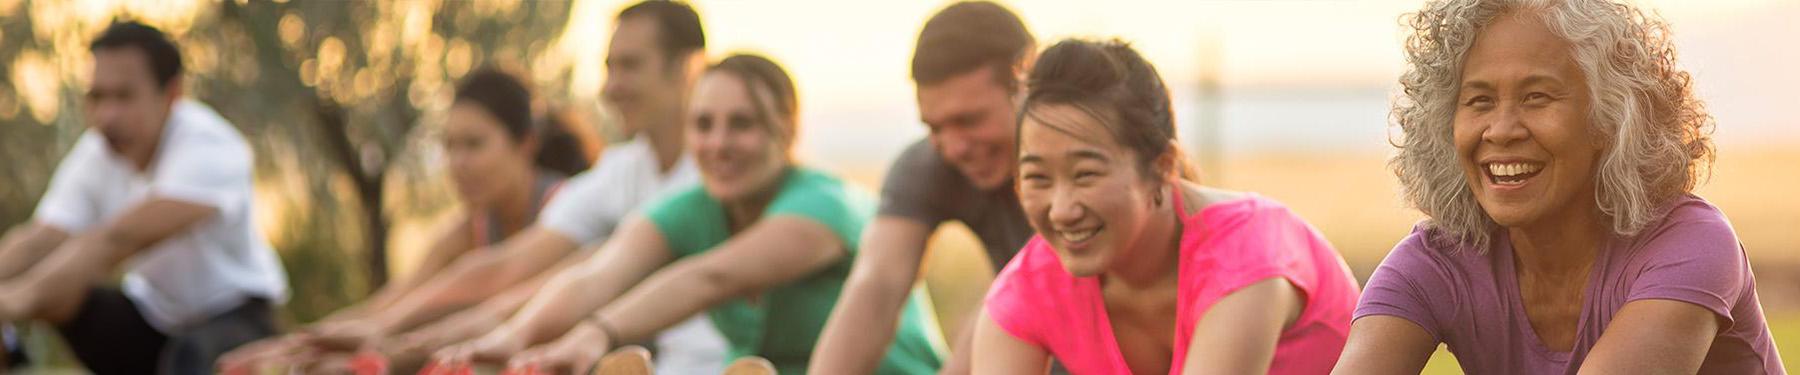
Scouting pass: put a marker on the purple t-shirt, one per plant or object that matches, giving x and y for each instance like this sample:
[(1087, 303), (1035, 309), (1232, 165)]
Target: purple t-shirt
[(1470, 300)]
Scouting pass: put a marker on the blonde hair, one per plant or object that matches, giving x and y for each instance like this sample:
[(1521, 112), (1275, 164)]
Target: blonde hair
[(1643, 106)]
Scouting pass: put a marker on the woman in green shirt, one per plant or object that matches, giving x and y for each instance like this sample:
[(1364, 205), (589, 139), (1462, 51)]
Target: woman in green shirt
[(762, 245)]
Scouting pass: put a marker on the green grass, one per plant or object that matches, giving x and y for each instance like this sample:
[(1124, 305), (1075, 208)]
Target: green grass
[(1784, 327)]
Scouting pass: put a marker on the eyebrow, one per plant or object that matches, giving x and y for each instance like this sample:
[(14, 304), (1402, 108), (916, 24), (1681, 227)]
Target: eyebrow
[(1536, 79), (960, 114), (1077, 154), (1533, 79)]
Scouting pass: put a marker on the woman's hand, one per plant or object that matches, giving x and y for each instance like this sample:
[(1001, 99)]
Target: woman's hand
[(246, 359), (495, 347), (574, 353)]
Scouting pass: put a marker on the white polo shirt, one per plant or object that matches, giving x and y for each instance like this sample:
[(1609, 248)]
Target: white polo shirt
[(192, 276), (593, 203)]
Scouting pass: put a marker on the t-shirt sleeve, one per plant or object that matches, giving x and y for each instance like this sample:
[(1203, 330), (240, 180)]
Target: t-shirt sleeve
[(1269, 242), (687, 218), (913, 186), (206, 168), (1012, 300), (1694, 258), (68, 204), (583, 208), (1402, 286), (834, 205)]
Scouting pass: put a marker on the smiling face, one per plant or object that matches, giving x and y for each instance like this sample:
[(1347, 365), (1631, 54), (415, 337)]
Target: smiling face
[(1081, 190), (481, 154), (971, 121), (1523, 126), (642, 84), (734, 142)]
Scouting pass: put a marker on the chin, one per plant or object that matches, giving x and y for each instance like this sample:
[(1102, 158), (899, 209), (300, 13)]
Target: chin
[(722, 192)]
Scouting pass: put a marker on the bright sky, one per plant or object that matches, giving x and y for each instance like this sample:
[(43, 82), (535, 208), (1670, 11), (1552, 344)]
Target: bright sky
[(851, 57), (1295, 74)]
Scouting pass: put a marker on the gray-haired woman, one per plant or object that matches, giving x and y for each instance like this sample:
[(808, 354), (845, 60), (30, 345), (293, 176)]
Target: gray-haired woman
[(1554, 146)]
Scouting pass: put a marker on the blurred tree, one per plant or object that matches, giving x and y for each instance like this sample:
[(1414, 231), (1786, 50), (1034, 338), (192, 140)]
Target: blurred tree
[(332, 95)]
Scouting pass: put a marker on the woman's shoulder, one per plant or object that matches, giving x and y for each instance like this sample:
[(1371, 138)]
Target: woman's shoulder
[(1690, 226), (1033, 281), (1251, 222), (1035, 270), (681, 202), (811, 189)]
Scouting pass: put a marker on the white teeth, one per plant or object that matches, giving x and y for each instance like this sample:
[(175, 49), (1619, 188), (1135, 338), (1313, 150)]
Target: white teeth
[(1513, 169), (1078, 236)]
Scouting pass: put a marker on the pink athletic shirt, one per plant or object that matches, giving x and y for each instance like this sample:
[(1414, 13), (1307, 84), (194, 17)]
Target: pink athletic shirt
[(1226, 247)]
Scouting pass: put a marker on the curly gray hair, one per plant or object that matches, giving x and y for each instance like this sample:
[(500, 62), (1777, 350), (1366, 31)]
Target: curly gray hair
[(1659, 132)]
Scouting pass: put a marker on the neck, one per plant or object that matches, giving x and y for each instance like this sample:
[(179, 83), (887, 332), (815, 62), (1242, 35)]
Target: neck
[(665, 139), (514, 211), (740, 212), (1157, 259), (1566, 245), (142, 156)]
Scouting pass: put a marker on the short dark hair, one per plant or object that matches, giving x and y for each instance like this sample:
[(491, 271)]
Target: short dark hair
[(165, 59), (678, 26), (971, 35), (1112, 83)]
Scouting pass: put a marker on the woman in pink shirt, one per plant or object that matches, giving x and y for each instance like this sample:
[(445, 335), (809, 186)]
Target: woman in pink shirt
[(1136, 268)]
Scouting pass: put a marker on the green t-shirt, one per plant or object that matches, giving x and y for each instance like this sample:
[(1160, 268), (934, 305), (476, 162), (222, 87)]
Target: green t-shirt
[(786, 321)]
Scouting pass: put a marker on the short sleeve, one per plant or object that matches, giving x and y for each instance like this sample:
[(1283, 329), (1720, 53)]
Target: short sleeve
[(1693, 258), (689, 220), (583, 208), (827, 201), (913, 186), (205, 161), (1401, 285), (1262, 240), (1012, 300), (68, 203)]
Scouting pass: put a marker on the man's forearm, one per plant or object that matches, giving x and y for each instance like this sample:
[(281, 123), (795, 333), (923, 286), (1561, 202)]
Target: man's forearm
[(24, 246), (860, 329), (54, 288)]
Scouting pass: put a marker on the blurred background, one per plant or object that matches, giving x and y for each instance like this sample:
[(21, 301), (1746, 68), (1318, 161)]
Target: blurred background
[(343, 101)]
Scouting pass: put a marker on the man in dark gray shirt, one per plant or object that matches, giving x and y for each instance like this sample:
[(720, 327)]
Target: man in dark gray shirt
[(923, 187), (967, 68)]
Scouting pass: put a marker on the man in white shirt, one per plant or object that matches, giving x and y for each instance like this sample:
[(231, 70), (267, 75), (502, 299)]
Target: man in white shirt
[(158, 186), (656, 52)]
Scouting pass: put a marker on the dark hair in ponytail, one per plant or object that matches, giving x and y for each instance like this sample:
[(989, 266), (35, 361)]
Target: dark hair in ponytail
[(559, 148), (505, 97), (1114, 84)]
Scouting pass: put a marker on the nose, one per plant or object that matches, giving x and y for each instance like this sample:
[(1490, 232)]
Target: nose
[(1508, 126), (953, 146), (711, 139), (1065, 209), (459, 159), (106, 116), (613, 90)]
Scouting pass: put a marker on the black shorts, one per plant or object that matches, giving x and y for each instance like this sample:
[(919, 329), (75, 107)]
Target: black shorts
[(110, 336)]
